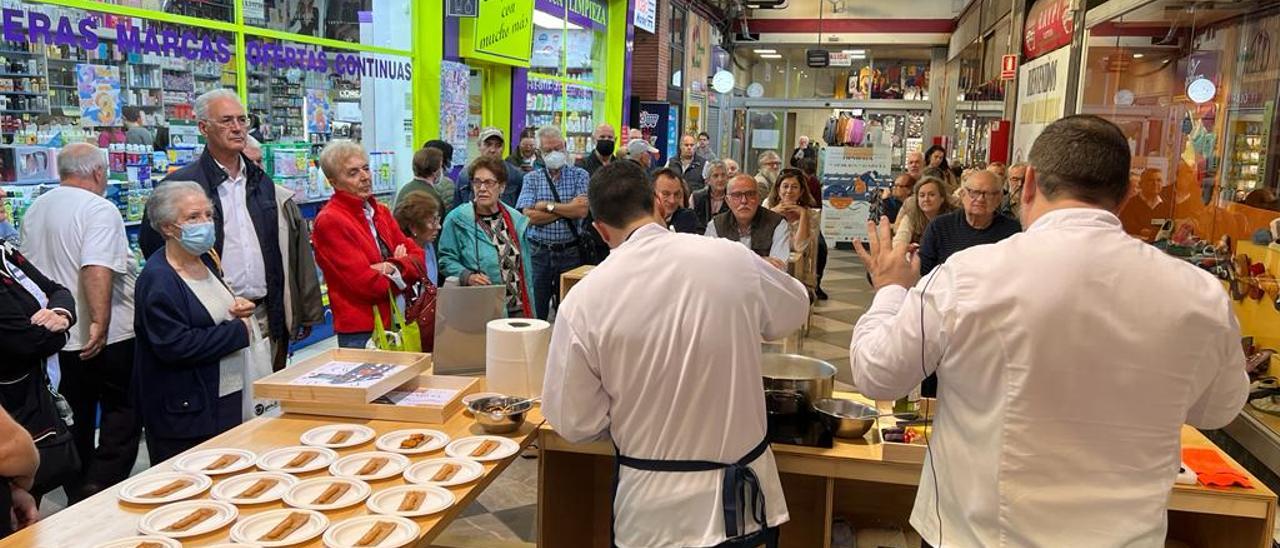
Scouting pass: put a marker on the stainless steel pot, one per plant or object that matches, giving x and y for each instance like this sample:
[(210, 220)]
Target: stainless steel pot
[(792, 372)]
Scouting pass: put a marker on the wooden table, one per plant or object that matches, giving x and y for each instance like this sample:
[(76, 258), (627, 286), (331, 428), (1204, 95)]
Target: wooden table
[(103, 517), (853, 480)]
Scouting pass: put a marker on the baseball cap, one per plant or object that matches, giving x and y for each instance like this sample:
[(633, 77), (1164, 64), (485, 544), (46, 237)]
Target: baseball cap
[(639, 146), (489, 132)]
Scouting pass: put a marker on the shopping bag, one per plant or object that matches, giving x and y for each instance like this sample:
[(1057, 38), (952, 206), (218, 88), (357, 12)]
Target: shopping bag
[(400, 335), (257, 358)]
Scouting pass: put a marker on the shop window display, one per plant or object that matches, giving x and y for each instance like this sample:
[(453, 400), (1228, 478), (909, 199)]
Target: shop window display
[(345, 20), (566, 74)]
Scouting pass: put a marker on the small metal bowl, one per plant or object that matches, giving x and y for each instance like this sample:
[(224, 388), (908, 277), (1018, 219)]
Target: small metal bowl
[(845, 418), (494, 419)]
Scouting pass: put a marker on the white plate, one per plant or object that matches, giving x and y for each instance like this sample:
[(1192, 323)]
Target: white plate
[(250, 529), (301, 495), (422, 472), (462, 448), (133, 542), (387, 501), (156, 520), (346, 467), (197, 461), (133, 491), (319, 436), (233, 545), (345, 534), (229, 488), (435, 441), (275, 460)]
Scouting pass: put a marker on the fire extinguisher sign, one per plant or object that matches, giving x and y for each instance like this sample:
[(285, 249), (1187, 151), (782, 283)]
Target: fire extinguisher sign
[(1009, 67)]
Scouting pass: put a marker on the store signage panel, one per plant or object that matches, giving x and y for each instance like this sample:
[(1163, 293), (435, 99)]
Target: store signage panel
[(502, 32), (653, 120), (278, 56), (462, 8), (21, 26), (1042, 94), (646, 16), (592, 11), (1049, 26)]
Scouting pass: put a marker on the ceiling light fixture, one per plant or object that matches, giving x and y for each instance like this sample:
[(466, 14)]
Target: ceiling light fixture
[(765, 51), (1139, 55), (770, 56)]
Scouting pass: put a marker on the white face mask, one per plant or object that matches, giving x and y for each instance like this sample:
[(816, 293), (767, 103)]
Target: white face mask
[(555, 160)]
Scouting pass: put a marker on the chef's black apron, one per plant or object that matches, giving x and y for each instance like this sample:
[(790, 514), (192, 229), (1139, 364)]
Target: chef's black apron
[(739, 488)]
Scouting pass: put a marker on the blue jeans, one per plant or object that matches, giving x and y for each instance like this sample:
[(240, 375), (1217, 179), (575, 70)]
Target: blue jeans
[(354, 340), (547, 266)]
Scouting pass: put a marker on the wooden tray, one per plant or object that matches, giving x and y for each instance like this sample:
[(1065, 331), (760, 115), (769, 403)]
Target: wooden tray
[(913, 453), (431, 414), (284, 385)]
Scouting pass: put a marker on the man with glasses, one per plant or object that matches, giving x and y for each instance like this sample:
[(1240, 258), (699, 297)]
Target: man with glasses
[(555, 217), (246, 215), (1012, 206), (770, 166), (898, 194), (758, 228)]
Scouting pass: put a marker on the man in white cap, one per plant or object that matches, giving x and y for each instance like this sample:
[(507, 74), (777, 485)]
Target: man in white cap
[(492, 145), (641, 152)]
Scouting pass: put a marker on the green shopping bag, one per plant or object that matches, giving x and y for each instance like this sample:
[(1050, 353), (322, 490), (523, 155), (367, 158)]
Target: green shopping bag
[(401, 336)]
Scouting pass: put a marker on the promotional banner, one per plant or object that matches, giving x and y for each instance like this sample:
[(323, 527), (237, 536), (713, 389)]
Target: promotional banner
[(850, 176), (455, 97), (98, 88), (317, 111), (652, 119), (646, 18), (501, 32), (1049, 26), (1042, 93)]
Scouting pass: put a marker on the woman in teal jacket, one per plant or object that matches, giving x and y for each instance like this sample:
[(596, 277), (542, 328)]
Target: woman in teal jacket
[(484, 243)]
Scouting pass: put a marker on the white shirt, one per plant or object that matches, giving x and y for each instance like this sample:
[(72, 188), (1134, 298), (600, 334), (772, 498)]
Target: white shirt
[(673, 375), (242, 263), (69, 228), (780, 249), (1068, 358)]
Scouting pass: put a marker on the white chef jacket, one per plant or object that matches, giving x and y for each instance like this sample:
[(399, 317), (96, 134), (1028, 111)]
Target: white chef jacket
[(1068, 358), (242, 264), (656, 348)]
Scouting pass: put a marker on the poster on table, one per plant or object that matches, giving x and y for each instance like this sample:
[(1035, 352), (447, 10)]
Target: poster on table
[(98, 88), (1042, 94), (455, 108), (849, 177), (318, 111)]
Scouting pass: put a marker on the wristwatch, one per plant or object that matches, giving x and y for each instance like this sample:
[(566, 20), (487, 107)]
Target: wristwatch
[(551, 207)]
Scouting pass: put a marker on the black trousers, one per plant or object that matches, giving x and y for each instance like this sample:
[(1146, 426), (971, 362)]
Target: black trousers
[(767, 537), (229, 415), (103, 381), (822, 257)]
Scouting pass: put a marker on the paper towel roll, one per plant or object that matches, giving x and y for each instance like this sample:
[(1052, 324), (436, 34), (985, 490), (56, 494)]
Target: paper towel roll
[(516, 356)]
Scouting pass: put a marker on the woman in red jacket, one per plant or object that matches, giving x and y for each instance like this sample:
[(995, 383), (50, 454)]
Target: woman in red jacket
[(361, 270)]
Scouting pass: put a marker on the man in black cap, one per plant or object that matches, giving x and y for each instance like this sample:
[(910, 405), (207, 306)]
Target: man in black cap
[(492, 145)]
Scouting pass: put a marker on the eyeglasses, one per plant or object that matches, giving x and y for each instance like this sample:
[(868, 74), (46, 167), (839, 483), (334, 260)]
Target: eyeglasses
[(774, 163), (485, 183), (744, 196), (230, 121), (981, 194), (902, 186), (1017, 179)]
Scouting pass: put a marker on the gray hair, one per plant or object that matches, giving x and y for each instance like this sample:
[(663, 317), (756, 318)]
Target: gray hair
[(202, 102), (995, 177), (547, 132), (915, 153), (717, 164), (767, 154), (162, 208), (336, 152), (80, 160)]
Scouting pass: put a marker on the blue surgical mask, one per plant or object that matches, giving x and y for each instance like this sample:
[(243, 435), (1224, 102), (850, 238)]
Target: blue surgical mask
[(198, 238)]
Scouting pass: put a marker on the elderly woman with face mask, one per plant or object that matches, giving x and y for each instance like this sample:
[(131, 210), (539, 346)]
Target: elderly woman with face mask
[(365, 257), (190, 329)]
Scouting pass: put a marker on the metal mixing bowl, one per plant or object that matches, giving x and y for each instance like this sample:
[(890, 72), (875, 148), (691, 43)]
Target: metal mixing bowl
[(845, 418), (498, 415)]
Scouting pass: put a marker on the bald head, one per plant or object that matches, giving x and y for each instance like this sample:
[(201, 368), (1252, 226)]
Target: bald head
[(603, 131), (83, 165)]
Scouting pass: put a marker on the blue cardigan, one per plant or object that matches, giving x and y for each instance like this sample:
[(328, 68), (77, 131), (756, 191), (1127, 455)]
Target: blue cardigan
[(175, 373)]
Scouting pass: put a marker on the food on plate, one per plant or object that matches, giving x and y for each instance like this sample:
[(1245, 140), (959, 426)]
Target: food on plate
[(446, 472), (379, 532), (258, 488), (301, 459), (340, 436), (411, 501), (191, 520), (285, 528), (485, 447), (169, 489), (149, 544), (413, 441), (372, 466), (222, 462), (332, 494)]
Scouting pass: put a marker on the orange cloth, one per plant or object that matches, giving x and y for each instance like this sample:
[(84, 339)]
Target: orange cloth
[(1212, 469)]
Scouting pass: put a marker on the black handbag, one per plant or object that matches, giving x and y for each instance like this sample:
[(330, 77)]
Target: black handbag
[(586, 247)]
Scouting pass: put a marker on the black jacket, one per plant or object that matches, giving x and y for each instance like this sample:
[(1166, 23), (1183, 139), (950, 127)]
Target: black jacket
[(261, 195), (178, 350), (797, 153), (693, 175), (25, 346), (591, 162), (685, 222), (702, 208)]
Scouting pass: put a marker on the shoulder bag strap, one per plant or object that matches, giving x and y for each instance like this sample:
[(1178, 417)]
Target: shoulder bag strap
[(555, 194)]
